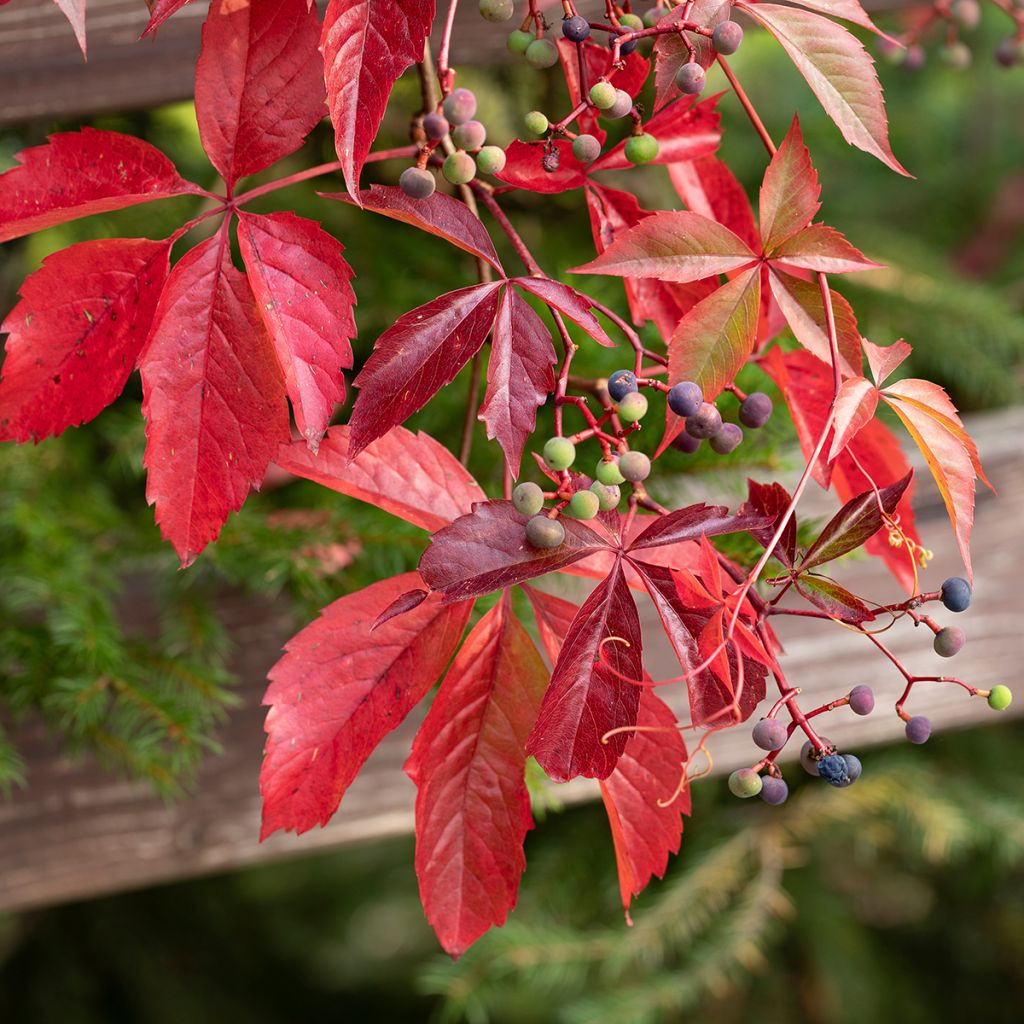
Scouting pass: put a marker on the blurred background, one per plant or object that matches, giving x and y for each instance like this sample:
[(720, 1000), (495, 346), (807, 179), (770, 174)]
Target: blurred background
[(835, 908)]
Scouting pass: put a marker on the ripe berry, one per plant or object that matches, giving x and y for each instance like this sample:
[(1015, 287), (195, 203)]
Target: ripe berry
[(609, 473), (809, 755), (919, 729), (551, 160), (470, 135), (634, 466), (966, 12), (622, 106), (621, 383), (770, 734), (956, 55), (584, 505), (559, 453), (685, 398), (497, 10), (519, 41), (684, 443), (691, 78), (576, 29), (586, 148), (603, 95), (705, 422), (774, 791), (416, 182), (862, 700), (853, 768), (641, 149), (833, 769), (755, 410), (491, 160), (608, 495), (536, 122), (542, 532), (459, 168), (528, 499), (727, 439), (435, 126), (624, 48), (956, 594), (459, 106), (745, 782), (1000, 697), (1009, 52), (949, 641), (633, 407), (541, 53), (727, 37)]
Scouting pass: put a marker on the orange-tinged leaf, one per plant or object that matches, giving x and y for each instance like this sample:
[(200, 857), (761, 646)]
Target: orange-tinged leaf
[(855, 407), (821, 248), (790, 192), (883, 360)]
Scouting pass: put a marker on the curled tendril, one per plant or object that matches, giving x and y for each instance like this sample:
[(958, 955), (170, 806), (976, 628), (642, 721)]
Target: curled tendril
[(641, 728)]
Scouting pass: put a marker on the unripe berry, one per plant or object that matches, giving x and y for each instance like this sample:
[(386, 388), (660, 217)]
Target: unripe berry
[(609, 473), (755, 410), (641, 149), (890, 52), (551, 160), (682, 442), (1009, 52), (914, 58), (634, 466), (542, 532), (956, 55), (809, 755), (774, 791), (621, 383), (727, 439), (559, 453), (956, 594), (745, 783), (584, 505), (726, 37), (834, 771), (966, 12), (586, 148), (459, 168), (470, 135), (519, 41), (691, 78), (622, 106), (435, 126), (608, 495), (862, 700), (685, 398), (541, 53), (949, 641), (705, 422), (497, 10), (603, 95), (770, 734), (536, 122), (652, 17), (491, 160), (919, 729), (528, 499), (632, 22), (576, 29), (459, 106), (1000, 697), (417, 182), (633, 407)]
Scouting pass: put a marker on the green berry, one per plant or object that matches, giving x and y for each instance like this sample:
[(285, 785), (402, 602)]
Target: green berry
[(641, 149), (497, 10), (536, 122), (745, 783), (559, 453), (542, 532), (491, 160), (459, 168), (608, 495), (602, 95), (635, 466), (542, 53), (999, 697), (584, 505), (652, 17), (609, 473), (519, 41), (633, 407), (528, 499), (632, 22)]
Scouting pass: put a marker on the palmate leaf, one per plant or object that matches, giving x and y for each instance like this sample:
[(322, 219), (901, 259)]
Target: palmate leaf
[(790, 193), (833, 599), (707, 186), (855, 408)]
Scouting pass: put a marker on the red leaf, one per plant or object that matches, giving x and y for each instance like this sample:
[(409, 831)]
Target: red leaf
[(340, 689), (568, 301), (661, 585), (468, 762), (771, 501), (409, 475), (692, 523), (554, 617), (74, 11), (487, 550), (838, 69), (524, 167), (439, 214), (646, 829), (707, 186), (790, 192), (160, 11), (586, 699), (883, 361), (848, 10), (418, 356), (77, 333), (519, 376), (367, 44), (834, 599), (301, 283), (855, 408), (822, 249), (259, 84), (213, 398), (77, 174)]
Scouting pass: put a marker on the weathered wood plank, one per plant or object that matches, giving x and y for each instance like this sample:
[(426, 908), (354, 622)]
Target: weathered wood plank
[(77, 832)]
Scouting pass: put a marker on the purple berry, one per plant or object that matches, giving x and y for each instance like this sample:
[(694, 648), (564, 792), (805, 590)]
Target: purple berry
[(621, 383), (727, 37), (586, 148), (469, 135), (949, 641), (1009, 52), (435, 126), (727, 439), (682, 442), (774, 791), (705, 422), (691, 78), (862, 700), (685, 398), (956, 594), (755, 410), (809, 755), (914, 58), (417, 182), (622, 106), (919, 729), (576, 29), (770, 734), (459, 106)]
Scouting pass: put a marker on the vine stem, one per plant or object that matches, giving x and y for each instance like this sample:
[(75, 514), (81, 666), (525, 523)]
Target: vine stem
[(444, 72)]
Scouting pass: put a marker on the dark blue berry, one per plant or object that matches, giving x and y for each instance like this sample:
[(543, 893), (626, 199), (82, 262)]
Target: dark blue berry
[(833, 769), (956, 594), (576, 29), (621, 383), (755, 410), (625, 48), (853, 767), (774, 791), (685, 398)]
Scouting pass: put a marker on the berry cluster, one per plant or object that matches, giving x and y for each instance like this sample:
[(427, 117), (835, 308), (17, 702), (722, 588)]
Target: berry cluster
[(726, 38)]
